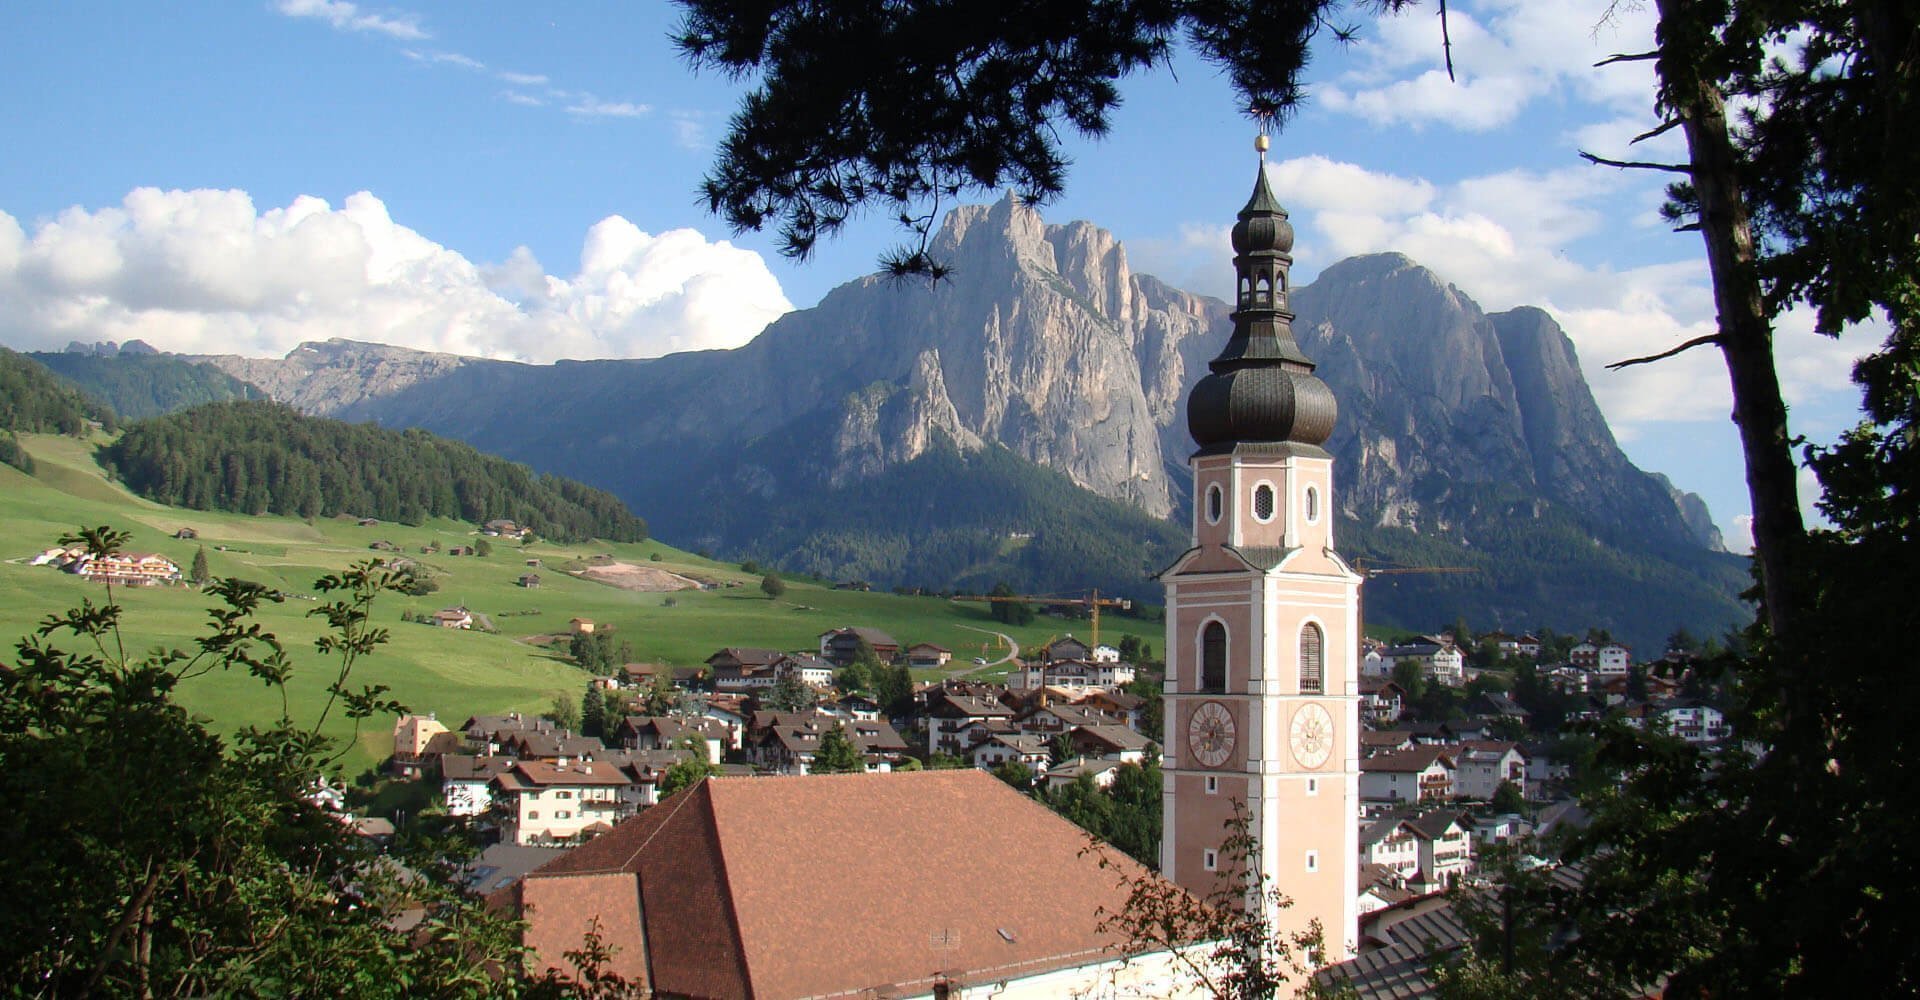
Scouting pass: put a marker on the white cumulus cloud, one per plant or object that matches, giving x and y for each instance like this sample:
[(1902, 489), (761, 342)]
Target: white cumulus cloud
[(1505, 239), (1506, 54), (205, 272), (349, 17)]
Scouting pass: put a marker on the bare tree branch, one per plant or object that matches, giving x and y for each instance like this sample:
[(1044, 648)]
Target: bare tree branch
[(1619, 57), (1711, 338), (1672, 168), (1665, 127), (1446, 41)]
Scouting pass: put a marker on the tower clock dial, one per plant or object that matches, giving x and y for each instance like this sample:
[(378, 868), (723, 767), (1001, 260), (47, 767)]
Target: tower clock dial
[(1210, 733), (1312, 735)]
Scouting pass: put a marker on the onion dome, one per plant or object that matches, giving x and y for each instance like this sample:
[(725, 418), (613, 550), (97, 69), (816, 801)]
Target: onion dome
[(1262, 388)]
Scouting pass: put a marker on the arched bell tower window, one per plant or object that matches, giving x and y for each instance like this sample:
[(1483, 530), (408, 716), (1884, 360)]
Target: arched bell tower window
[(1312, 505), (1213, 504), (1312, 660), (1213, 657)]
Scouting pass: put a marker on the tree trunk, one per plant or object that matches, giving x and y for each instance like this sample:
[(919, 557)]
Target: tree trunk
[(1746, 335)]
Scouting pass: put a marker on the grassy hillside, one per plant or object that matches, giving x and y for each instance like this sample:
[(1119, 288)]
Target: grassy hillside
[(450, 672)]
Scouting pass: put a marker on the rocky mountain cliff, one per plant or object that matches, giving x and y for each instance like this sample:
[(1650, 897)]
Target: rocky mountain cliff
[(1460, 434)]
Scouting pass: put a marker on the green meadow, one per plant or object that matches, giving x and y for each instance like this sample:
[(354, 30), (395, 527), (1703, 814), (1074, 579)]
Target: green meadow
[(450, 672)]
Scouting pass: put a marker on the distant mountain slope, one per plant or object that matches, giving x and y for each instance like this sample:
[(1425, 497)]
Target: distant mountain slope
[(1464, 439), (33, 400), (264, 457), (141, 385)]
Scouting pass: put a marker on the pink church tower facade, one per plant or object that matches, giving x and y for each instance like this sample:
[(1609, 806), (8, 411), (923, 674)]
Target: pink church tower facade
[(1262, 617)]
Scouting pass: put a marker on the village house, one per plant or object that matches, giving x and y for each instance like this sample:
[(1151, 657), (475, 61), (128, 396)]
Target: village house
[(1381, 887), (1049, 721), (453, 618), (1602, 659), (1431, 851), (1099, 770), (544, 802), (699, 900), (839, 646), (1443, 662), (1110, 741), (1130, 708), (127, 569), (418, 743), (805, 667), (1695, 722), (1518, 646), (466, 782), (854, 706), (650, 732), (789, 747), (580, 626), (503, 528), (952, 714), (548, 744), (1481, 765), (731, 712), (997, 750), (1497, 705), (927, 656), (1376, 741), (529, 580), (1382, 702), (740, 669), (1416, 775)]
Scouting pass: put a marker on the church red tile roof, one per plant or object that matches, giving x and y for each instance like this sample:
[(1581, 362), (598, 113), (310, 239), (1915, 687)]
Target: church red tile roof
[(832, 884)]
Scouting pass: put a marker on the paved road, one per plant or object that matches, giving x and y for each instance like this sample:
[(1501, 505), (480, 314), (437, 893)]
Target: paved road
[(1013, 650)]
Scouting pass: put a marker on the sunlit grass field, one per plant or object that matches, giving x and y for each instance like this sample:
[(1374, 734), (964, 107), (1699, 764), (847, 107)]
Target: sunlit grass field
[(450, 672)]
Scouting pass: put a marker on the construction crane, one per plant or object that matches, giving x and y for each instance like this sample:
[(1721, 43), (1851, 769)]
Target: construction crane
[(1093, 602), (1368, 571)]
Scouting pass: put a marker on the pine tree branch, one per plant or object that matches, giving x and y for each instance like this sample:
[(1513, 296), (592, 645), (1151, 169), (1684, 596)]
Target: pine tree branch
[(1711, 338), (1672, 168)]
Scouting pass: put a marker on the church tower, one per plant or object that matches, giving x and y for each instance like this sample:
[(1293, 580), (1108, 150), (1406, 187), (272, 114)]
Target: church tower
[(1262, 617)]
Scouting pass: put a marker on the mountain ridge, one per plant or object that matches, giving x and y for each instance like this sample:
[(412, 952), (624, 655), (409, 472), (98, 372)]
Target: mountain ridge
[(1457, 426)]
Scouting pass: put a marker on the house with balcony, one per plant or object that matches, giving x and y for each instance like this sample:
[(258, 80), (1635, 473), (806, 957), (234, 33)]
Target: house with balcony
[(560, 801), (1418, 775)]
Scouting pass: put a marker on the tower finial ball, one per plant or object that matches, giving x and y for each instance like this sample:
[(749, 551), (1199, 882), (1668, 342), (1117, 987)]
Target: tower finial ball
[(1260, 142)]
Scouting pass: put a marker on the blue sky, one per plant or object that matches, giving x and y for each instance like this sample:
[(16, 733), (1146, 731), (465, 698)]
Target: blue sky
[(519, 181)]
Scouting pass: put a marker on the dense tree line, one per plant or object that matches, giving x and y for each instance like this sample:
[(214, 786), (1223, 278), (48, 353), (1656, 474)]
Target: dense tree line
[(138, 386), (260, 458)]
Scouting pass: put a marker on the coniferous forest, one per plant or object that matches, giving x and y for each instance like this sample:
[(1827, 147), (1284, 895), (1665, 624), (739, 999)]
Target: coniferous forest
[(34, 401), (265, 458)]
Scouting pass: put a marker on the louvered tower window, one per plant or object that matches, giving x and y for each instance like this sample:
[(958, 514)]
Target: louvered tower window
[(1312, 664), (1213, 657)]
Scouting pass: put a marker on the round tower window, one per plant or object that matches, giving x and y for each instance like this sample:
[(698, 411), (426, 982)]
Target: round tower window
[(1263, 502), (1213, 504)]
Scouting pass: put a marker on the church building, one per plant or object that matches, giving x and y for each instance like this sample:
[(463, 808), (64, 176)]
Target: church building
[(1262, 704)]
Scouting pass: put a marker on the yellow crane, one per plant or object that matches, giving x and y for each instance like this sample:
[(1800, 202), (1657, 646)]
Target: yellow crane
[(1369, 570), (1093, 602)]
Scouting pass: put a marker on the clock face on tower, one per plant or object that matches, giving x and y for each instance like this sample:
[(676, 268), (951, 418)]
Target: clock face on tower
[(1312, 735), (1210, 734)]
